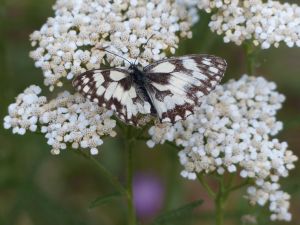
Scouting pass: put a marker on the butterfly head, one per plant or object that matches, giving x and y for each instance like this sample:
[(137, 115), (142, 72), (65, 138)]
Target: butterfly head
[(133, 68)]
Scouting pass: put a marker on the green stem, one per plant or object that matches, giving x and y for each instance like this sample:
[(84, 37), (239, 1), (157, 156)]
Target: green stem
[(219, 210), (129, 150), (250, 52), (220, 202), (113, 180), (220, 197), (205, 185), (128, 191), (234, 188)]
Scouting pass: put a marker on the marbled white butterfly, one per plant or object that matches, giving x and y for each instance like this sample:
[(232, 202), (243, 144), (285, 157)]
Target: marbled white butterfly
[(168, 88)]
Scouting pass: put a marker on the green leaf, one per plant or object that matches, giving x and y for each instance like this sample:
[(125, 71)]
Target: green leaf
[(105, 199), (178, 213)]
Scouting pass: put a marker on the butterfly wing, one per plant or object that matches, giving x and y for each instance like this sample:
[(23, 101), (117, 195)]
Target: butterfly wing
[(175, 85), (113, 89)]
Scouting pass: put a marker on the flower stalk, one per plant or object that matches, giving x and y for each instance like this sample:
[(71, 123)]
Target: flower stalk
[(220, 197), (206, 186), (108, 175), (219, 203), (129, 143), (251, 54)]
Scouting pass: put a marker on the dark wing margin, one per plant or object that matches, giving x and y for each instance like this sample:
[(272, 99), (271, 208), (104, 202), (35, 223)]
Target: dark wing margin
[(176, 85), (113, 89)]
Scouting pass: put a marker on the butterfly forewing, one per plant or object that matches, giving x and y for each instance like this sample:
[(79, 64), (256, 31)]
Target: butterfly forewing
[(175, 85), (170, 88), (113, 89)]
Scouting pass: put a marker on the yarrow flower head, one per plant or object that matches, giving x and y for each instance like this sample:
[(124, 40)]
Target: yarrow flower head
[(232, 131), (263, 23), (70, 42), (67, 120)]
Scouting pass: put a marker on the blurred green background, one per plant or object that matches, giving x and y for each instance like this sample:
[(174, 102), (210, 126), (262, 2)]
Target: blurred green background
[(37, 188)]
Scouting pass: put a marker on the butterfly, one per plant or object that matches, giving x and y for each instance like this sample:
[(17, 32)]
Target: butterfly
[(168, 89)]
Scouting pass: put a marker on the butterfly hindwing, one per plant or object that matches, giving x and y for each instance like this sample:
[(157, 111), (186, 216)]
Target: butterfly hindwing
[(175, 85), (170, 88), (113, 89)]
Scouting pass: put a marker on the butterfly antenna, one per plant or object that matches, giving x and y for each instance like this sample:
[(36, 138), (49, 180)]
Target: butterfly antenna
[(103, 49), (143, 46)]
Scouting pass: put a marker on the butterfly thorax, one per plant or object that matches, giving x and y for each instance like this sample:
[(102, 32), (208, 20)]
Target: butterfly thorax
[(137, 75), (139, 79)]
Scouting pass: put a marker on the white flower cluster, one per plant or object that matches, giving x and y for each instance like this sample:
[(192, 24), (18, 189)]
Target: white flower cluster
[(232, 131), (72, 41), (268, 191), (265, 24), (67, 120)]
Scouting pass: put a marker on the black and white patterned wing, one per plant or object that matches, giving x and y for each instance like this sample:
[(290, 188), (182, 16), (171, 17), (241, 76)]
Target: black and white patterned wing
[(175, 85), (113, 89)]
